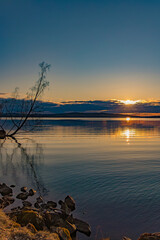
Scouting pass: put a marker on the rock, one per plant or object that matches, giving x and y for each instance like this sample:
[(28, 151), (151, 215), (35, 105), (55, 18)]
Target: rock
[(5, 190), (36, 205), (22, 196), (27, 204), (32, 192), (2, 134), (51, 204), (63, 233), (30, 216), (65, 208), (56, 220), (70, 218), (60, 202), (70, 202), (39, 200), (44, 206), (82, 226), (23, 189), (52, 219), (60, 222), (48, 218), (149, 236)]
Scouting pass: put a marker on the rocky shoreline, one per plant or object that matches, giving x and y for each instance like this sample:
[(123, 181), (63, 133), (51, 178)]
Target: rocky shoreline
[(41, 215), (35, 220)]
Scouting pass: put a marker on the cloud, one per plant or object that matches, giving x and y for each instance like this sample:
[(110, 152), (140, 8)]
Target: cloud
[(110, 106)]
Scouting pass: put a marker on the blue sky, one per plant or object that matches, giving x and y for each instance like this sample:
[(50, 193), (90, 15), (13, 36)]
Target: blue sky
[(97, 49)]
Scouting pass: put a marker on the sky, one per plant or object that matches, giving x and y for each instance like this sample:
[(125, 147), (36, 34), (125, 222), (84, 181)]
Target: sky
[(98, 49)]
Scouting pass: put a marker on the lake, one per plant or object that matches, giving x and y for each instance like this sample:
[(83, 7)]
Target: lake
[(111, 167)]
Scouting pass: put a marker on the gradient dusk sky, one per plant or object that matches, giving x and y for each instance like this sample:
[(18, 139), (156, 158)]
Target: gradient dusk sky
[(97, 49)]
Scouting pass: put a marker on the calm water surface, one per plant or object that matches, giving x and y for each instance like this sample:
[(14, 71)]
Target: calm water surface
[(111, 167)]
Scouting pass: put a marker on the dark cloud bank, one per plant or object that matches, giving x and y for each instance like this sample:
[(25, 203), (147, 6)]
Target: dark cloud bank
[(110, 106)]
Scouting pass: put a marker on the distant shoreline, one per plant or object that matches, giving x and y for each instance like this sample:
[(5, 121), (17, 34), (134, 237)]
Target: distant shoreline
[(81, 115)]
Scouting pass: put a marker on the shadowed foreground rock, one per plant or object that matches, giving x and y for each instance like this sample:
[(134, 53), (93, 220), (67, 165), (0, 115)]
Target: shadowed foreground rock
[(82, 226), (28, 216)]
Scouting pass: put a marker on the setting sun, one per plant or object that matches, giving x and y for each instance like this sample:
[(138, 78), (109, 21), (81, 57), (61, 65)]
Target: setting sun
[(129, 102)]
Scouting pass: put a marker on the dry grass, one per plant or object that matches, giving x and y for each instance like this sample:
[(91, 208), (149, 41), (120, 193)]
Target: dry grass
[(10, 230)]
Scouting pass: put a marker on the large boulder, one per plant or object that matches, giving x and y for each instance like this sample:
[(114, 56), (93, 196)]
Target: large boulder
[(29, 216), (57, 220), (70, 203), (65, 224), (82, 226), (52, 219), (65, 208)]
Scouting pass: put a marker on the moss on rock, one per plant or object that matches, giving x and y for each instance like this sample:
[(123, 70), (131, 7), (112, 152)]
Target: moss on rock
[(32, 217)]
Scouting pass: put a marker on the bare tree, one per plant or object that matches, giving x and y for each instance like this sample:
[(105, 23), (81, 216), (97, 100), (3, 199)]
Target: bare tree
[(26, 106)]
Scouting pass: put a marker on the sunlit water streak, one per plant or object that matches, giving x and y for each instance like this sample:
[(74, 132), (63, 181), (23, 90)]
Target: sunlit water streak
[(111, 167)]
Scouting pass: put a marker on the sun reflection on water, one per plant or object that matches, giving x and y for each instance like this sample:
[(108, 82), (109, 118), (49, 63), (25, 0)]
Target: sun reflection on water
[(128, 133), (128, 119)]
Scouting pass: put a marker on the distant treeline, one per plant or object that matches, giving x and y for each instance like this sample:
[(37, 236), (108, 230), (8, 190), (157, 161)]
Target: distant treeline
[(74, 115)]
